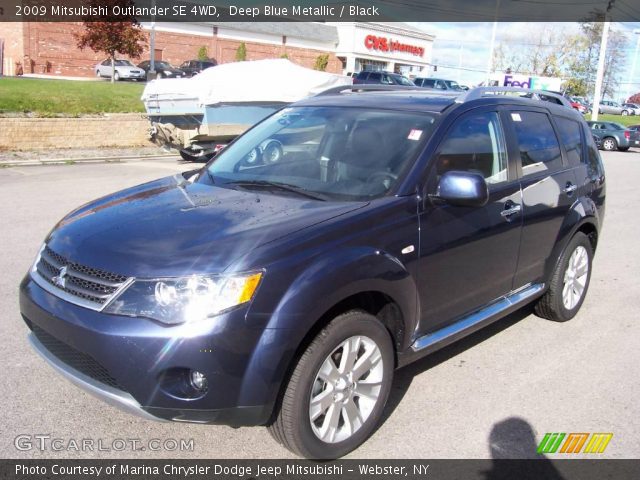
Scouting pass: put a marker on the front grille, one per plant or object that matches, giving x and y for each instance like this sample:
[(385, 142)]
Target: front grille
[(73, 358), (90, 287)]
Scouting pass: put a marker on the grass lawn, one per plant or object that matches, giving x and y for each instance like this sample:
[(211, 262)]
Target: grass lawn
[(621, 119), (48, 98)]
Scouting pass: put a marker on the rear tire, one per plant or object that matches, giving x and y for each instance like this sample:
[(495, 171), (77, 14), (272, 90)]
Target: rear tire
[(625, 113), (337, 392), (569, 282), (609, 144)]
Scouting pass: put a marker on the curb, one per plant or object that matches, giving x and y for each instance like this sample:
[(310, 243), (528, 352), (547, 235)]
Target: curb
[(72, 161)]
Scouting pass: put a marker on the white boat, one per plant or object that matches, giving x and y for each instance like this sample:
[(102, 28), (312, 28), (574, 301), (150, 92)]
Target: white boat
[(199, 115)]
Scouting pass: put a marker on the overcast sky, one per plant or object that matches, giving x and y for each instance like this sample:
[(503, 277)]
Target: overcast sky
[(465, 47)]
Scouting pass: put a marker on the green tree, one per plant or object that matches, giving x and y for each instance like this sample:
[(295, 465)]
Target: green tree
[(321, 62), (241, 53), (203, 53), (112, 37), (285, 56)]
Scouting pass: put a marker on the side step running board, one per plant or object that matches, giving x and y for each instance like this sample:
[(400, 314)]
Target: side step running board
[(478, 319)]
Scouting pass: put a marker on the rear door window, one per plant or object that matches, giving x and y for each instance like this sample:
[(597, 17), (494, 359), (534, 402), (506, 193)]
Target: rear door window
[(571, 139), (539, 147)]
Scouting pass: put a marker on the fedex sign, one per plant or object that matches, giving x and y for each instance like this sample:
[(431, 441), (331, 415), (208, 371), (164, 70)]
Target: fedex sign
[(533, 82)]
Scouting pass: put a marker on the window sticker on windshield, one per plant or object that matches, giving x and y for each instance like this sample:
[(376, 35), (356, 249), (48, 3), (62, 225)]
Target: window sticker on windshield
[(414, 134), (516, 117)]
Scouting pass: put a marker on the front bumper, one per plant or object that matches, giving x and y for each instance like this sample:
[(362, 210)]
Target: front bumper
[(128, 362)]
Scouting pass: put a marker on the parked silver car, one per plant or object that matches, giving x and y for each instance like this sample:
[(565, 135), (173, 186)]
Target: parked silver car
[(634, 108), (124, 70), (614, 108)]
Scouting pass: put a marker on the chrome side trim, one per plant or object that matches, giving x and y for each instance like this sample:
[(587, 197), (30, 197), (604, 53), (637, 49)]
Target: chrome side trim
[(110, 395), (515, 298)]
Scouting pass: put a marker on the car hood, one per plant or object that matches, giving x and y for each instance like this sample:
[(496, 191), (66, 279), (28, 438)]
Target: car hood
[(173, 227)]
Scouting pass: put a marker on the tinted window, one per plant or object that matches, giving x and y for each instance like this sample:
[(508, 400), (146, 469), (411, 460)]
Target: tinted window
[(386, 79), (539, 148), (428, 83), (375, 76), (339, 152), (475, 144), (571, 139), (594, 164)]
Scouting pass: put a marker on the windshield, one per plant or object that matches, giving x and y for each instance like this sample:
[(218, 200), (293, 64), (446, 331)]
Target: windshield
[(164, 65), (123, 63), (453, 85), (328, 153)]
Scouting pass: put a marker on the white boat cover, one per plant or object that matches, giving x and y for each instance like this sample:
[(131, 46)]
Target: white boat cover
[(277, 80)]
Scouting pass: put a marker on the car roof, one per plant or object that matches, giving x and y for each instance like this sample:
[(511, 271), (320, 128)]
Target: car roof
[(420, 100)]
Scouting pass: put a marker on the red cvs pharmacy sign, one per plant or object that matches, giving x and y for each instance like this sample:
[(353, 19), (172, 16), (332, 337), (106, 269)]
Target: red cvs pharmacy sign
[(384, 44)]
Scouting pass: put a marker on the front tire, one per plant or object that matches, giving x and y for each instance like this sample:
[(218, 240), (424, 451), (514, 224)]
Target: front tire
[(625, 113), (609, 144), (116, 77), (623, 149), (337, 392), (569, 282)]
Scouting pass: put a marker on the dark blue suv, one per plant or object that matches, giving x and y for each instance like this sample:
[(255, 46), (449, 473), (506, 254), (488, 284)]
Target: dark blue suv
[(341, 238)]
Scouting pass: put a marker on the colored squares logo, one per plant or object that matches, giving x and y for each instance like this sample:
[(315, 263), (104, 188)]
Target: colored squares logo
[(574, 443)]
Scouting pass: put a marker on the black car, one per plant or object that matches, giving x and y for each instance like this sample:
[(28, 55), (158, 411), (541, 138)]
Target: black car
[(163, 69), (384, 78), (343, 237), (193, 67)]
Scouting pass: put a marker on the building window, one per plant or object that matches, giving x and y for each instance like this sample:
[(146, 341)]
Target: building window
[(371, 65)]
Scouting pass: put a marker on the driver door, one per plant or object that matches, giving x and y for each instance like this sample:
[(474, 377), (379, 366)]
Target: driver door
[(468, 255)]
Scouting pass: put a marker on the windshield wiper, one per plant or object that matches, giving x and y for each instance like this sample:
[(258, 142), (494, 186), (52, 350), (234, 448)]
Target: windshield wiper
[(285, 187)]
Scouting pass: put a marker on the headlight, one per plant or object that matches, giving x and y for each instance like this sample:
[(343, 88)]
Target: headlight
[(187, 299)]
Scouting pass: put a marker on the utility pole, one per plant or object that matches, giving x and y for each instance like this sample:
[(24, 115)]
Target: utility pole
[(601, 58), (633, 65), (493, 41)]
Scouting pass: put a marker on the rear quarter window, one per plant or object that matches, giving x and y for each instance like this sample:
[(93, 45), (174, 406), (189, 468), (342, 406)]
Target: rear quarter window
[(569, 131)]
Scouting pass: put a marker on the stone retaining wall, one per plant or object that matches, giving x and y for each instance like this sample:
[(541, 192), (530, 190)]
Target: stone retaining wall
[(113, 130)]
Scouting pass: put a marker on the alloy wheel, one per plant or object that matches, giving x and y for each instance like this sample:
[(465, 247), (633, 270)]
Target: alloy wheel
[(608, 144), (346, 389), (575, 278)]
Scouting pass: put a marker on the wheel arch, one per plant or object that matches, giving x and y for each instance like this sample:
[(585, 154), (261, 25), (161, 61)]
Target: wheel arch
[(582, 218), (371, 281)]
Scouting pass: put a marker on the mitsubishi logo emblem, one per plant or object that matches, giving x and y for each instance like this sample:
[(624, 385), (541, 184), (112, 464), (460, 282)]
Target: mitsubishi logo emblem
[(60, 280)]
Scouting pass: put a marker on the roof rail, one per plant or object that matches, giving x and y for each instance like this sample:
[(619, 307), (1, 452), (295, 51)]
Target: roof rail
[(372, 87), (480, 92)]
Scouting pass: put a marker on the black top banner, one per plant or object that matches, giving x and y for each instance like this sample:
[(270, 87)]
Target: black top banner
[(319, 11)]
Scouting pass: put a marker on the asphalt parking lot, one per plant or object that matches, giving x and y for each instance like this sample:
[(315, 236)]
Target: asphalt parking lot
[(495, 394)]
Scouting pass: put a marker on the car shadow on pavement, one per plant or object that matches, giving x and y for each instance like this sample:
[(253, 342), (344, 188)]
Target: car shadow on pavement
[(404, 376)]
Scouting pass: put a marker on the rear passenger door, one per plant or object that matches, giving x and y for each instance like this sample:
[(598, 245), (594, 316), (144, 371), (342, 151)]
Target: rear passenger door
[(468, 255), (548, 189)]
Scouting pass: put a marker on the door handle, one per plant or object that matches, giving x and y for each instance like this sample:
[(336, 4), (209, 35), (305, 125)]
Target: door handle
[(570, 188), (510, 210)]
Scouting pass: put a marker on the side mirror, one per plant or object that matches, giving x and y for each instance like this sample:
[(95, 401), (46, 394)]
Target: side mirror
[(462, 189)]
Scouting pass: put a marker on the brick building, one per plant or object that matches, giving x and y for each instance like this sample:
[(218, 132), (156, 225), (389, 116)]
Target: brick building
[(50, 48)]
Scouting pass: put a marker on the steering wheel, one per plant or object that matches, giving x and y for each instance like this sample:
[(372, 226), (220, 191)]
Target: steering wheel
[(387, 178)]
